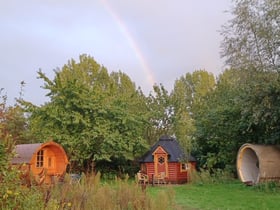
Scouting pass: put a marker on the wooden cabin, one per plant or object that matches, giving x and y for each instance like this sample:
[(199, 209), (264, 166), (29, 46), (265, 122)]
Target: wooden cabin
[(44, 162), (163, 163)]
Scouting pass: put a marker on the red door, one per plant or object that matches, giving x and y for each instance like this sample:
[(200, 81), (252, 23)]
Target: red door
[(161, 164)]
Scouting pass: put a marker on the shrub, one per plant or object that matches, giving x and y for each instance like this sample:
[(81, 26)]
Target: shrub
[(13, 195), (205, 176)]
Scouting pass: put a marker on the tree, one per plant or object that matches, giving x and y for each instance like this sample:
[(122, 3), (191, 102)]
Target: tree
[(261, 111), (218, 126), (246, 97), (242, 109), (91, 113), (9, 178), (187, 97), (160, 114), (251, 38), (13, 122), (6, 142)]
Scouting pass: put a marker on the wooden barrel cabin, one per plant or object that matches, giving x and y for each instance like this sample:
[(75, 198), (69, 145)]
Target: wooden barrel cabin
[(44, 162), (258, 163)]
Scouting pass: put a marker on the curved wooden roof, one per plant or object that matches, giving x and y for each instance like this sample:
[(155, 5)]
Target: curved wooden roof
[(25, 152)]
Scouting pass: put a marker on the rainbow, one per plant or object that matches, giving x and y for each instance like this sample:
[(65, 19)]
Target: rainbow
[(132, 43)]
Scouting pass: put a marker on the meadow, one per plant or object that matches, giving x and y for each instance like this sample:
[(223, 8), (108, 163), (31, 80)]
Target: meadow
[(93, 193), (231, 195)]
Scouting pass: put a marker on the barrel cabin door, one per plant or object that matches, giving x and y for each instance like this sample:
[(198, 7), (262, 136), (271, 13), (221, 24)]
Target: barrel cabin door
[(49, 165), (161, 162), (50, 162)]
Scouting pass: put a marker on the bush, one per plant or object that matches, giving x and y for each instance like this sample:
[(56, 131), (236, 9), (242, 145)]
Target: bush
[(13, 195), (205, 176)]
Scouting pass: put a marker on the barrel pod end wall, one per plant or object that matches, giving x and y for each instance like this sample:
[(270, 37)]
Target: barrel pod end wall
[(258, 163)]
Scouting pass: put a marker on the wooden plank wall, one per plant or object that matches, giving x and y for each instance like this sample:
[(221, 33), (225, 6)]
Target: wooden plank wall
[(174, 174)]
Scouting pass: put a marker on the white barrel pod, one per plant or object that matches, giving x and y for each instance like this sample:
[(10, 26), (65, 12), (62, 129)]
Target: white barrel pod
[(258, 163)]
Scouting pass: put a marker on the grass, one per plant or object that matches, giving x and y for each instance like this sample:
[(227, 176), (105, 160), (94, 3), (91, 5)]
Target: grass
[(93, 193), (231, 195)]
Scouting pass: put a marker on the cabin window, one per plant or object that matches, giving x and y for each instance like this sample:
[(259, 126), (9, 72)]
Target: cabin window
[(184, 166), (161, 160), (40, 159)]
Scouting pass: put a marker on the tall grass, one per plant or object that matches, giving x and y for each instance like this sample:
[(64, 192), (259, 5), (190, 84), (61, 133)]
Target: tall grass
[(207, 191), (91, 193), (88, 193), (268, 187), (206, 177)]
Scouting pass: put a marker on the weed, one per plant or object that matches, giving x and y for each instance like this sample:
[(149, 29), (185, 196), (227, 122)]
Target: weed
[(268, 187)]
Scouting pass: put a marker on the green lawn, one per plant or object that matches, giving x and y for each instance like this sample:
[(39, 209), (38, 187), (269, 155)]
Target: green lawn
[(232, 195)]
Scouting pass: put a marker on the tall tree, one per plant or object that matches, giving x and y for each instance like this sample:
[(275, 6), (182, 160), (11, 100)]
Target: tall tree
[(91, 113), (13, 121), (9, 179), (187, 97), (218, 123), (242, 108), (246, 99), (252, 43), (160, 114), (251, 38), (261, 98)]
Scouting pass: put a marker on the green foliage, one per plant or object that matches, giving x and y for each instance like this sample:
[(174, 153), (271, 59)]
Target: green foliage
[(219, 129), (16, 124), (119, 167), (12, 121), (12, 194), (204, 176), (244, 105), (9, 177), (251, 37), (261, 108), (187, 96), (20, 197), (4, 157), (160, 114), (94, 115), (243, 108), (7, 174)]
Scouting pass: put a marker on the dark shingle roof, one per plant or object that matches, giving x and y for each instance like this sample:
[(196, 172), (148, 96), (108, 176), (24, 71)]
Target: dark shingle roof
[(24, 152), (171, 146)]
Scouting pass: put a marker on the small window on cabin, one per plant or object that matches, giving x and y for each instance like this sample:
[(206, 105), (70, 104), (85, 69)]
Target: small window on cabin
[(184, 166), (161, 160), (40, 159)]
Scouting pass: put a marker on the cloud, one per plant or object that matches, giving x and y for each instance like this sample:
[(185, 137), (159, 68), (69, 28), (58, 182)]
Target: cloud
[(173, 38)]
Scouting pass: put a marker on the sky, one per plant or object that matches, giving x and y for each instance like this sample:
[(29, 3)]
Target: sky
[(152, 41)]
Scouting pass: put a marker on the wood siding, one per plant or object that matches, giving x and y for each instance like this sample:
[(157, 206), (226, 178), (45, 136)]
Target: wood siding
[(52, 162), (162, 163), (174, 174), (150, 170)]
